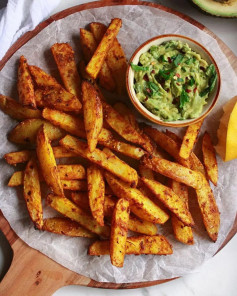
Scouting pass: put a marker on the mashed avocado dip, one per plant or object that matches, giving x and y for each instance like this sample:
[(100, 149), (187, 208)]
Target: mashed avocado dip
[(172, 81)]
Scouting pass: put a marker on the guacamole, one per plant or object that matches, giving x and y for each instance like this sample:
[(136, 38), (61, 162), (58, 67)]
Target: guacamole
[(172, 81)]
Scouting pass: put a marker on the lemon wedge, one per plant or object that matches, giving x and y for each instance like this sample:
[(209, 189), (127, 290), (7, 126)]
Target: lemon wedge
[(227, 132)]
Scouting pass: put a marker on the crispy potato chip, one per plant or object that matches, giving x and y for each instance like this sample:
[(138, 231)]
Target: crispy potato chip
[(140, 205), (70, 210), (25, 85), (209, 158), (47, 162), (96, 192), (26, 131), (171, 200), (119, 230), (64, 58), (111, 163), (137, 245), (190, 139), (96, 62), (32, 194), (66, 226), (93, 114), (16, 110)]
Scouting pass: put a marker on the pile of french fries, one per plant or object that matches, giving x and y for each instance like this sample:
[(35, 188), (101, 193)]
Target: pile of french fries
[(104, 197)]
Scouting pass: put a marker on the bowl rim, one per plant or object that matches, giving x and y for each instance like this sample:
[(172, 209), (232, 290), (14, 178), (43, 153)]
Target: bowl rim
[(147, 114)]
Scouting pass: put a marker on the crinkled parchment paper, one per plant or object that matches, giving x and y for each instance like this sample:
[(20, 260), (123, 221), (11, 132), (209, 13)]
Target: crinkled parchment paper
[(140, 23)]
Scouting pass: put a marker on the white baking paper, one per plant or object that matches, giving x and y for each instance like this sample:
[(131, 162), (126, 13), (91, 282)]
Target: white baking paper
[(140, 23)]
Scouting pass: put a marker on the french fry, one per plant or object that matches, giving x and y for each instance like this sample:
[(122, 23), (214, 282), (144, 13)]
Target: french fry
[(182, 233), (209, 158), (134, 224), (111, 163), (93, 114), (96, 192), (140, 205), (115, 58), (66, 226), (70, 210), (64, 58), (16, 179), (47, 162), (71, 171), (137, 245), (25, 85), (16, 110), (95, 63), (119, 230), (171, 200), (39, 93), (32, 193), (189, 139), (53, 94), (146, 173), (26, 131), (89, 45)]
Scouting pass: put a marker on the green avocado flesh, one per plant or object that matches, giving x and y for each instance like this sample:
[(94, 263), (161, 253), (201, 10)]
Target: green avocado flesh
[(172, 81), (218, 8)]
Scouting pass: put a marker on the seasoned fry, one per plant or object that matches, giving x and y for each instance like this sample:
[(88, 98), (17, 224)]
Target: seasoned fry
[(209, 158), (79, 185), (172, 201), (189, 139), (32, 194), (47, 162), (140, 205), (16, 179), (16, 110), (25, 85), (111, 163), (182, 233), (53, 94), (115, 58), (70, 210), (71, 171), (89, 45), (96, 192), (26, 131), (137, 245), (93, 114), (64, 58), (119, 230), (66, 226), (146, 173), (95, 63)]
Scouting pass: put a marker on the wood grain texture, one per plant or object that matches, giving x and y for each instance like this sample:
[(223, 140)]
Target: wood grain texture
[(32, 272)]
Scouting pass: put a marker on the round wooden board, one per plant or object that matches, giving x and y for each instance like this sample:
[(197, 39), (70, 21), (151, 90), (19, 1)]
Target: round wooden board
[(33, 273)]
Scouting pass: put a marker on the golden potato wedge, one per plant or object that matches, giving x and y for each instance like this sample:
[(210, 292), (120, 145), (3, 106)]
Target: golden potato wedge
[(121, 125), (137, 245), (82, 200), (39, 93), (26, 131), (47, 161), (25, 85), (140, 205), (209, 210), (147, 173), (190, 139), (71, 171), (66, 226), (96, 192), (70, 210), (16, 179), (32, 193), (182, 233), (209, 158), (171, 200), (111, 163), (115, 58), (95, 63), (53, 94), (119, 231), (16, 110), (93, 114), (64, 58), (80, 185), (89, 45)]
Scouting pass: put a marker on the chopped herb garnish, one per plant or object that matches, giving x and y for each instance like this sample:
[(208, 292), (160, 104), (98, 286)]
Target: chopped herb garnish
[(178, 59), (213, 80), (191, 81), (184, 98), (137, 68), (204, 92), (180, 79), (166, 74), (210, 70), (190, 61)]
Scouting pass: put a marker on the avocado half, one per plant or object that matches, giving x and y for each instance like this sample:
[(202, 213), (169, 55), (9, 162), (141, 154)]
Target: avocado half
[(224, 8)]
